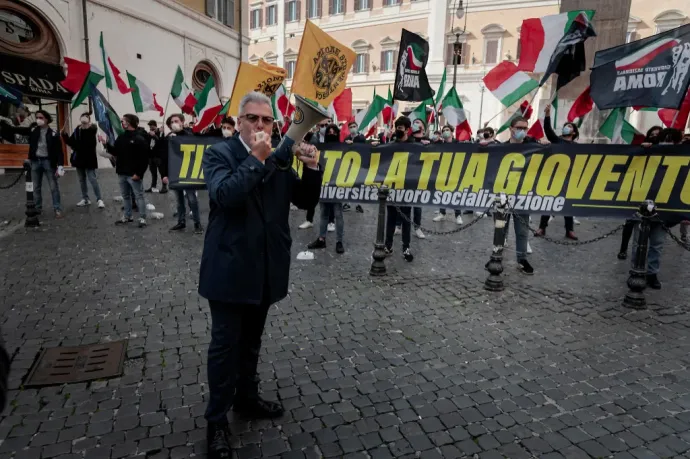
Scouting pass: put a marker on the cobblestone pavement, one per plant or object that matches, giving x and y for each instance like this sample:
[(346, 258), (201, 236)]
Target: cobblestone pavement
[(421, 363)]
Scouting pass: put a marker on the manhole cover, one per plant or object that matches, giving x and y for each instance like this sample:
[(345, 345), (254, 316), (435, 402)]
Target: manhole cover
[(60, 365)]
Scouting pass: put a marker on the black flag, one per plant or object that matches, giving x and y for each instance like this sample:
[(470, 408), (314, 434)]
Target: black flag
[(652, 72), (568, 59), (411, 82)]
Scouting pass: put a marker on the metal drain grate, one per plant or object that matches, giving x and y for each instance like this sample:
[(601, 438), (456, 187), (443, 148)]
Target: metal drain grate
[(61, 365)]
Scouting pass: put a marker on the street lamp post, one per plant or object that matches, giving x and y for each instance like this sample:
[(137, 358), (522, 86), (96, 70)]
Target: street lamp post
[(457, 46)]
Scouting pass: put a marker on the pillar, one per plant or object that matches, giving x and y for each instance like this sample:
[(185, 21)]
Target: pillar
[(436, 31), (280, 39)]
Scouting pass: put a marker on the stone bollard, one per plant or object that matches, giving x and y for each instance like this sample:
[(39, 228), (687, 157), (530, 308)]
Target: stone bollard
[(637, 281), (378, 265), (31, 212), (494, 283)]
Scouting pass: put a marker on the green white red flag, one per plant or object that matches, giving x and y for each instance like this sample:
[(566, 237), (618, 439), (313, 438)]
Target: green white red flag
[(617, 129), (390, 111), (183, 97), (455, 116), (508, 84), (143, 98), (525, 110), (367, 120), (208, 106), (112, 73)]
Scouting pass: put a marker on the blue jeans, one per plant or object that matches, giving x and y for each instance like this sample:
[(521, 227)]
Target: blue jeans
[(521, 235), (93, 179), (38, 168), (337, 209), (129, 187), (233, 355), (193, 206), (657, 236)]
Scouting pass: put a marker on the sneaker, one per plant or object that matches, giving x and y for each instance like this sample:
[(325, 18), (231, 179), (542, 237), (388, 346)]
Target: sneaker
[(346, 207), (101, 204), (150, 190), (458, 220), (438, 218), (58, 215), (419, 233), (541, 232), (306, 225), (317, 244), (398, 230), (179, 227), (339, 248), (550, 218), (154, 190), (331, 227), (359, 209), (84, 203), (481, 215), (218, 441), (653, 282), (571, 235), (525, 267), (407, 255), (388, 251), (164, 189), (198, 229), (124, 221), (622, 255), (142, 223), (576, 221), (529, 248)]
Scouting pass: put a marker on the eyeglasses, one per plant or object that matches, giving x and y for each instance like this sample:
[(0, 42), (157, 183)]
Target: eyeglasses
[(254, 118)]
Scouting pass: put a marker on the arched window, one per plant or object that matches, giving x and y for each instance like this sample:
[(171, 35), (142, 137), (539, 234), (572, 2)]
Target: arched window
[(202, 72), (669, 19)]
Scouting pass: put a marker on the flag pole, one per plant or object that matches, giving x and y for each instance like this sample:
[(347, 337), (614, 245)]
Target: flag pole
[(675, 118)]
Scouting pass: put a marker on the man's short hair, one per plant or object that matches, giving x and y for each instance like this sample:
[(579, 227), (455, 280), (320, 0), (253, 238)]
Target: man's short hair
[(85, 114), (228, 120), (46, 115), (133, 120), (179, 116), (447, 126), (404, 122), (153, 123), (254, 98), (518, 119), (671, 135)]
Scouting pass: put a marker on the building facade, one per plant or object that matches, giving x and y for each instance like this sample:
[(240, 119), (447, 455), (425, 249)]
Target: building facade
[(148, 38), (488, 33)]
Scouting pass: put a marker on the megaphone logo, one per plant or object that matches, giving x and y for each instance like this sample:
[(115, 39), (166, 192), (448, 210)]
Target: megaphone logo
[(298, 116)]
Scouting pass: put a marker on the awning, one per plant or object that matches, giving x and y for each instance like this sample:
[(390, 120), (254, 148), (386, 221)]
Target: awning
[(33, 78)]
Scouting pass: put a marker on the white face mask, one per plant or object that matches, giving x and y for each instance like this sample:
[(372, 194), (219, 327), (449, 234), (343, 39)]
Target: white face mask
[(84, 121), (227, 133), (175, 127), (41, 122)]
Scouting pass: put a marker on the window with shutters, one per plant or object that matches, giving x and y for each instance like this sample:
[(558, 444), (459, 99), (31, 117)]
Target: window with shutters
[(388, 60), (391, 2), (271, 13), (361, 63), (491, 51), (222, 10), (336, 7), (292, 11), (453, 57), (313, 9), (361, 5), (255, 19), (290, 67)]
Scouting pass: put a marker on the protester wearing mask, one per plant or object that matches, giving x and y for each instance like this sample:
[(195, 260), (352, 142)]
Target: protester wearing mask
[(45, 154), (354, 136), (175, 123), (331, 208), (419, 135), (435, 137), (569, 134), (318, 137), (447, 137), (83, 143), (154, 156), (652, 138), (131, 151), (320, 134), (487, 136), (227, 127)]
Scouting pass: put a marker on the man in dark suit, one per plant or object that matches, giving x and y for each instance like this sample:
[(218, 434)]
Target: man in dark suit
[(246, 258)]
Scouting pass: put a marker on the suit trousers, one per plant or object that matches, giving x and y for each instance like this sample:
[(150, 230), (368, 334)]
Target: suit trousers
[(233, 355)]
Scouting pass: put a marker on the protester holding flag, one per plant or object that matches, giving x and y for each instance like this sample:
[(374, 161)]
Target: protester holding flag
[(83, 143), (45, 154)]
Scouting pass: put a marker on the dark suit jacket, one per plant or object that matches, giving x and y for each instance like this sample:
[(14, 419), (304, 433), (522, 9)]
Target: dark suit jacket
[(246, 256)]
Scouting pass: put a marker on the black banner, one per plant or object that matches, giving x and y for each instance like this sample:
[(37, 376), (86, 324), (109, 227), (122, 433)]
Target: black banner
[(411, 82), (652, 72), (568, 179), (33, 78)]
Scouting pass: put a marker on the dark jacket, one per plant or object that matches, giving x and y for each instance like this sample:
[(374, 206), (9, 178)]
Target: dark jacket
[(356, 138), (55, 154), (550, 135), (163, 148), (246, 256), (131, 151), (419, 139), (83, 144)]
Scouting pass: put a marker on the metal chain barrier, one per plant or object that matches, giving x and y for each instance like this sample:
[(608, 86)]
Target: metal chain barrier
[(566, 243), (7, 187), (439, 233), (675, 238)]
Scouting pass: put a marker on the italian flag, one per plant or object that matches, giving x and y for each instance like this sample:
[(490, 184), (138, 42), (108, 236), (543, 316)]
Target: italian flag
[(413, 50), (419, 113), (390, 111), (540, 36), (581, 107), (536, 131), (77, 73), (144, 99), (525, 110), (223, 113), (618, 130), (282, 108), (455, 116), (88, 85), (112, 73), (368, 119), (183, 97), (208, 105), (438, 105), (508, 84)]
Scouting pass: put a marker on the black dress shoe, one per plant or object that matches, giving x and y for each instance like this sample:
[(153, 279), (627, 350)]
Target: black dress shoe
[(258, 408), (653, 282), (218, 441)]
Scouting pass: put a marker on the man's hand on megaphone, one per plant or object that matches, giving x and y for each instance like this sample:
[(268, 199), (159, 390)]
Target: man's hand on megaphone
[(308, 154), (261, 146)]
